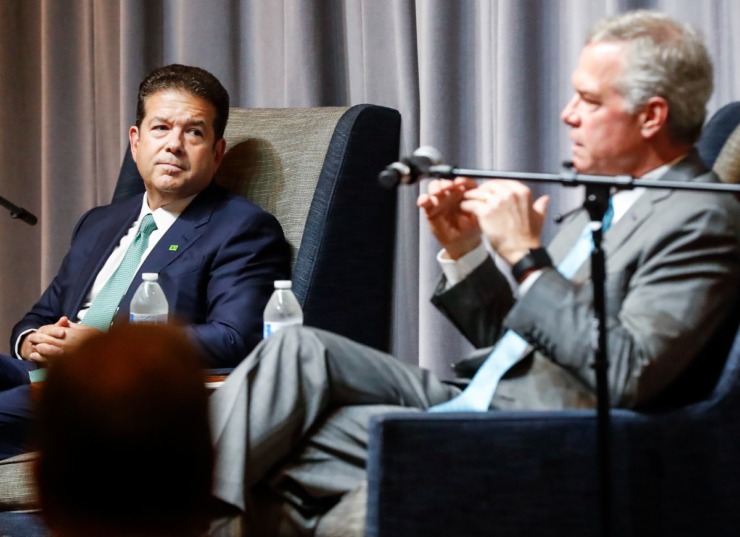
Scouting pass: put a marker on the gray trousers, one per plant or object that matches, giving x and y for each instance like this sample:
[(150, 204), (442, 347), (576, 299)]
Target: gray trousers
[(290, 424)]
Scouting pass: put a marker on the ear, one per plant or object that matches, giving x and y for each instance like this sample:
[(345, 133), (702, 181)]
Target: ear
[(133, 138), (654, 116), (219, 150)]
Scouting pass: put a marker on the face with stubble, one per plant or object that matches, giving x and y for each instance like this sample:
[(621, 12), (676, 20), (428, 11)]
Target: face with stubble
[(607, 139), (174, 147)]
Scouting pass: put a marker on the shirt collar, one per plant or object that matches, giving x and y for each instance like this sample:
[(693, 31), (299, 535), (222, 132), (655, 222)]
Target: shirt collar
[(658, 172), (166, 215)]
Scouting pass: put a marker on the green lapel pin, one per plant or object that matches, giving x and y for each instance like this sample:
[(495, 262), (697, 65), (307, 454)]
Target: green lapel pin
[(174, 247)]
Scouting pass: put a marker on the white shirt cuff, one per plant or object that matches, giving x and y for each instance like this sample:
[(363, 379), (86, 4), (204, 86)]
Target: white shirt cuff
[(19, 340), (456, 270)]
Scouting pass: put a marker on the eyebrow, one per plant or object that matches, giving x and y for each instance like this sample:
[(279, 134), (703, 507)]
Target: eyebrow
[(587, 94), (189, 123)]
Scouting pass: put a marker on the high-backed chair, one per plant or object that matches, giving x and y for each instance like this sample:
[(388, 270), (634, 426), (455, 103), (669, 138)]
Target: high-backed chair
[(316, 170), (674, 473)]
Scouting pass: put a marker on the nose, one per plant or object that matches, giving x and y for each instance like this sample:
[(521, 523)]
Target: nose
[(568, 115), (174, 141)]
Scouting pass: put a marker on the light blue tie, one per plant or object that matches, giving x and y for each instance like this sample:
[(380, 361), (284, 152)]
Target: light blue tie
[(478, 394), (104, 306)]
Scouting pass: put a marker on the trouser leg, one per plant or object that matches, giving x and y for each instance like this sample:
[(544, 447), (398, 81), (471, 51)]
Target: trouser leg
[(14, 372), (294, 497), (287, 384), (15, 420), (15, 405)]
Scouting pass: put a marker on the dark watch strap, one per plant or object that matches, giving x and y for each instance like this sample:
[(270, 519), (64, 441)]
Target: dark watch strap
[(535, 259)]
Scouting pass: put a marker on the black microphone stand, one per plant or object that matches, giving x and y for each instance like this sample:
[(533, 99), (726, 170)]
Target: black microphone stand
[(598, 188), (18, 212)]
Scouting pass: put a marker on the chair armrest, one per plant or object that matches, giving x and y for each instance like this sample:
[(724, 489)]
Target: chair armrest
[(470, 474), (17, 490)]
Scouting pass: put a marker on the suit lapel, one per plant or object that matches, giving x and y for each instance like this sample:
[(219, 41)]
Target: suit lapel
[(686, 170), (184, 232)]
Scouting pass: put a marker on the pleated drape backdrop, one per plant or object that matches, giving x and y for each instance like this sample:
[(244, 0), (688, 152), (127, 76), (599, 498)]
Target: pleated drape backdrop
[(482, 80)]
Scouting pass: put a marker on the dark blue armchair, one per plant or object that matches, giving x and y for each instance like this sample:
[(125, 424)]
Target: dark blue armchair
[(524, 474)]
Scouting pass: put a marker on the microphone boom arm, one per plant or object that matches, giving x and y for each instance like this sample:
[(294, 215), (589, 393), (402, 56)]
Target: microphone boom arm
[(569, 178)]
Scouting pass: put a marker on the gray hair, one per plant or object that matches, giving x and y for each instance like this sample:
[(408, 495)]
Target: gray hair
[(664, 58)]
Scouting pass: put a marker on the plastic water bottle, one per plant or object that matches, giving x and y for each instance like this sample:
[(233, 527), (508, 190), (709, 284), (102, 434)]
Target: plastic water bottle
[(149, 304), (282, 309)]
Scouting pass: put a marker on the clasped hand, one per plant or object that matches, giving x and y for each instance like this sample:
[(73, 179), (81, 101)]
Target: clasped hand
[(459, 211), (52, 341)]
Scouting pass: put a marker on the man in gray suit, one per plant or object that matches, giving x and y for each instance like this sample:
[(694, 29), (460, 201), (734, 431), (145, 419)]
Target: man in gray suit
[(292, 419)]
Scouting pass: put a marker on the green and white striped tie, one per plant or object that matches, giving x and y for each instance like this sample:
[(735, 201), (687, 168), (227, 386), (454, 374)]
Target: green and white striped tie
[(104, 306)]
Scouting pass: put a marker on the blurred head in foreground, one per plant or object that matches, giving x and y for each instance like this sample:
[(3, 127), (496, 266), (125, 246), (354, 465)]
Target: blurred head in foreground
[(124, 438)]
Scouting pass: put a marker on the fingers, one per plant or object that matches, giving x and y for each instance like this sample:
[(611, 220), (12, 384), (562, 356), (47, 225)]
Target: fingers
[(77, 331), (501, 188), (48, 341), (46, 334), (44, 342), (445, 191), (540, 206), (63, 321), (497, 196), (511, 222), (43, 352)]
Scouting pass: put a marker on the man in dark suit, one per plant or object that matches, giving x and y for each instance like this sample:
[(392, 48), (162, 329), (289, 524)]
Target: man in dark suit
[(216, 254), (673, 278)]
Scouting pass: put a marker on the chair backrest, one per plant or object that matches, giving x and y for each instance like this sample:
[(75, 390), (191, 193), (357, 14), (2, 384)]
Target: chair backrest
[(719, 148), (719, 145), (316, 170)]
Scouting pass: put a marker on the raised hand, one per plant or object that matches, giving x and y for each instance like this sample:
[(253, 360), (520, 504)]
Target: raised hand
[(508, 218), (455, 228)]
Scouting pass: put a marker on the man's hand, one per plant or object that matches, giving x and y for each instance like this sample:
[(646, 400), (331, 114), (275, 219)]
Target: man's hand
[(52, 341), (508, 218), (455, 228)]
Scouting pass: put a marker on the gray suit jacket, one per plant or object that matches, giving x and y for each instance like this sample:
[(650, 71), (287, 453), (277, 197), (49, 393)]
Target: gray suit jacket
[(673, 276)]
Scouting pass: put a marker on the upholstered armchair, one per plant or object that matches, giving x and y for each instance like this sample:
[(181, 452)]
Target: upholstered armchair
[(316, 170)]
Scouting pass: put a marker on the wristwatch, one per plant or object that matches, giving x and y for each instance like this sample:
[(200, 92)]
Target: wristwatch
[(535, 259)]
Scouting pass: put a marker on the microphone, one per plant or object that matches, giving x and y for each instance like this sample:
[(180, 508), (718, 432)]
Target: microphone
[(18, 212), (25, 216), (410, 169)]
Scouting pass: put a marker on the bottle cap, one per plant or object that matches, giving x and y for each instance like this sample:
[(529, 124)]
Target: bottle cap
[(149, 276), (283, 284)]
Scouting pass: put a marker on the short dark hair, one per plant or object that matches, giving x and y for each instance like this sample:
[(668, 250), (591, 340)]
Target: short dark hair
[(193, 80), (123, 435)]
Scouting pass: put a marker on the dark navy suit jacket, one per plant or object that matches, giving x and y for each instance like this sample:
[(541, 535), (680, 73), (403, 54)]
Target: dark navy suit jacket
[(216, 265)]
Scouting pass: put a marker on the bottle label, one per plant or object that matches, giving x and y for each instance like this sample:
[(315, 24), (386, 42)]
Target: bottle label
[(149, 318), (269, 328)]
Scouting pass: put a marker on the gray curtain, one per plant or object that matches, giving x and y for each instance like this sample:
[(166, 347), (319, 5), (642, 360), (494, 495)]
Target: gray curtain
[(482, 80)]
